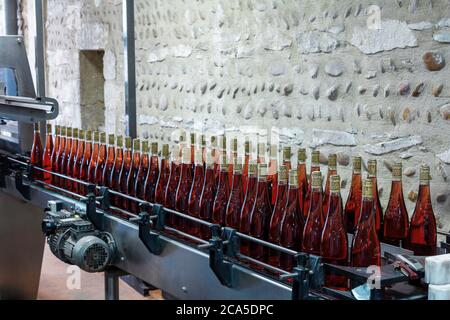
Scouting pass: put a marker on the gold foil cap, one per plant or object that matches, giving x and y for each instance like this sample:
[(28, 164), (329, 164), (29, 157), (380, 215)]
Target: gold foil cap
[(316, 179), (283, 174), (145, 148), (262, 171), (75, 133), (128, 142), (37, 126), (357, 164), (335, 184), (287, 154), (332, 161), (103, 138), (367, 189), (203, 140), (186, 155), (273, 151), (293, 178), (372, 168), (96, 136), (253, 168), (137, 144), (111, 139), (165, 151), (155, 148), (49, 128), (193, 138), (301, 155), (119, 141), (57, 130), (82, 135), (198, 157), (89, 135), (64, 131), (247, 147), (234, 145), (315, 157), (261, 149), (69, 132), (224, 142), (425, 176), (397, 171)]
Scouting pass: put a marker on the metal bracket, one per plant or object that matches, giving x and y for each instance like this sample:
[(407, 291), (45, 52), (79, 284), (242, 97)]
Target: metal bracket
[(3, 171), (151, 239), (224, 243), (308, 274), (93, 215), (104, 199), (23, 189)]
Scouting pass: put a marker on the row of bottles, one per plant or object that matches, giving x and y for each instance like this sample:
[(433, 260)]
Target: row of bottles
[(268, 201)]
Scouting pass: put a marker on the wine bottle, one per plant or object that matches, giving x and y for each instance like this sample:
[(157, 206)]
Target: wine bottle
[(164, 176), (222, 196), (94, 158), (366, 249), (372, 166), (354, 199), (216, 156), (292, 223), (47, 157), (334, 241), (272, 174), (332, 170), (277, 215), (249, 201), (37, 153), (133, 206), (261, 157), (56, 150), (192, 151), (59, 156), (207, 197), (78, 160), (123, 203), (152, 175), (236, 200), (109, 164), (303, 184), (71, 160), (233, 158), (174, 179), (101, 160), (184, 188), (84, 170), (204, 151), (141, 178), (195, 194), (115, 174), (247, 160), (315, 167), (65, 157), (423, 232)]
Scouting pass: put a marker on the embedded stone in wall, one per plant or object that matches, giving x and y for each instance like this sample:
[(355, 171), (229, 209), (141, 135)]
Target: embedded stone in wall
[(181, 51), (444, 23), (92, 36), (277, 69), (445, 111), (276, 42), (393, 145), (336, 138), (442, 37), (289, 135), (148, 120), (158, 55), (393, 34), (334, 68), (444, 156), (420, 26), (316, 42), (434, 61)]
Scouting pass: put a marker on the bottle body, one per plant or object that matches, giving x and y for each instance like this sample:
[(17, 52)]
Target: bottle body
[(71, 161), (47, 157), (78, 161), (249, 201), (236, 200), (114, 178), (222, 197), (183, 190), (314, 224), (163, 179), (207, 200), (84, 169), (37, 153), (152, 179), (353, 204), (127, 163), (195, 194), (54, 158), (133, 206)]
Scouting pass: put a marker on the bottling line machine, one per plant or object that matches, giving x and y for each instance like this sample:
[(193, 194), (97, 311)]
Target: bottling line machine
[(87, 231)]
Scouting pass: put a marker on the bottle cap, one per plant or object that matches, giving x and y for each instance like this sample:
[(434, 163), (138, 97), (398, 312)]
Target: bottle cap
[(155, 148), (357, 164), (372, 168), (49, 128), (119, 141), (165, 151), (425, 176), (136, 145), (193, 138), (273, 151), (367, 188), (234, 144), (64, 131), (261, 149), (182, 137), (293, 178), (397, 171), (248, 146), (111, 139), (96, 136), (128, 142), (315, 157), (82, 135), (75, 133), (332, 161), (213, 141), (198, 157), (224, 142), (145, 148), (37, 126), (58, 130), (103, 138), (287, 154), (253, 168), (203, 140), (283, 174), (89, 135), (187, 155), (316, 179), (262, 171), (301, 155), (335, 183), (69, 132)]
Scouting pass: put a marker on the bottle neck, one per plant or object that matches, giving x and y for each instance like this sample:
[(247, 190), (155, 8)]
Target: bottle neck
[(366, 209)]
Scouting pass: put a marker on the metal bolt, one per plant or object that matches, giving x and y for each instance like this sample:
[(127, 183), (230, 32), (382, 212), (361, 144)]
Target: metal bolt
[(184, 289), (122, 258)]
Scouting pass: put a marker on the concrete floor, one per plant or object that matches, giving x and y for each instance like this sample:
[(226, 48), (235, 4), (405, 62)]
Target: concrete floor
[(54, 277)]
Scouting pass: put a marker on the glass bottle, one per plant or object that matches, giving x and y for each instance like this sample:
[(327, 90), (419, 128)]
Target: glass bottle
[(292, 223), (260, 217), (315, 166), (152, 175), (56, 150), (195, 193), (222, 196), (334, 241), (84, 170), (272, 174), (141, 178), (287, 154), (249, 201), (204, 151), (37, 152), (261, 157), (233, 158), (65, 157), (164, 176), (277, 215), (303, 184), (115, 174), (184, 187), (236, 200), (396, 220), (353, 204), (207, 197), (133, 206), (216, 156), (47, 157), (71, 160), (332, 170), (247, 160), (109, 164), (127, 163), (193, 147), (312, 232), (78, 161), (423, 233), (372, 166), (94, 158), (59, 157), (174, 180), (366, 249), (101, 160)]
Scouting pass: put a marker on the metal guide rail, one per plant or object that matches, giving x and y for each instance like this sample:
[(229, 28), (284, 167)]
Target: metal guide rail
[(187, 267)]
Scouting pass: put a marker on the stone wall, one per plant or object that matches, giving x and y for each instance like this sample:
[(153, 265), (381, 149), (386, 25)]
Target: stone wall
[(2, 22), (376, 76)]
